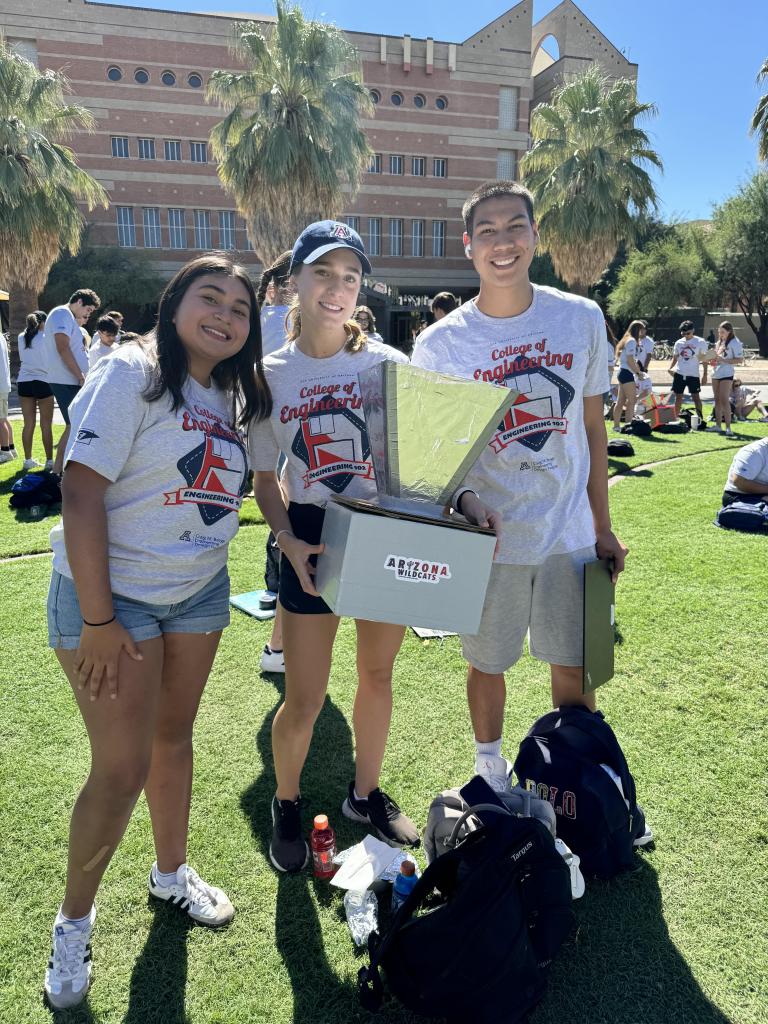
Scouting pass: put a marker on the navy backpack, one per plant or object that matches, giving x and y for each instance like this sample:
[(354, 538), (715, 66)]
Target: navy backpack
[(741, 515), (561, 760)]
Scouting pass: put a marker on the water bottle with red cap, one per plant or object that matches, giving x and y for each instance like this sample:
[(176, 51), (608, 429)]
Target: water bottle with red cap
[(322, 842)]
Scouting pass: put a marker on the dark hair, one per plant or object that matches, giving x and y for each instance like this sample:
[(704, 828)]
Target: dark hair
[(107, 325), (490, 190), (86, 296), (127, 336), (445, 301), (34, 322), (686, 325), (115, 312), (242, 374), (277, 273), (366, 311)]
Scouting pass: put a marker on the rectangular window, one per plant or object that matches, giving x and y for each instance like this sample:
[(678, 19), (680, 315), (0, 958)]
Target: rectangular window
[(177, 230), (226, 229), (152, 233), (417, 238), (247, 247), (126, 229), (418, 166), (198, 152), (438, 238), (505, 165), (508, 108), (396, 237), (353, 222), (146, 149), (202, 222), (440, 167), (172, 149), (375, 165), (120, 147), (374, 236), (395, 164)]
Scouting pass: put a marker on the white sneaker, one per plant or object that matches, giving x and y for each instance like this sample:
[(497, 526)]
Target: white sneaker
[(495, 770), (30, 464), (645, 838), (6, 457), (68, 976), (202, 902), (714, 430), (272, 661), (729, 433), (48, 465)]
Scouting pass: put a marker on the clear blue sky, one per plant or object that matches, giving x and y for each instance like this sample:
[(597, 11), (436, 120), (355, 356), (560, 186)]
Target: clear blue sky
[(698, 62)]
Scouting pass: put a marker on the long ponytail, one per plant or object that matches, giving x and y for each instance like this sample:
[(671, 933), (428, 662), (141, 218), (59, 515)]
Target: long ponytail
[(277, 274), (34, 322), (632, 333)]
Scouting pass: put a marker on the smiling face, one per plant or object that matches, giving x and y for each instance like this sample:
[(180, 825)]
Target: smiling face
[(327, 290), (213, 321), (503, 241)]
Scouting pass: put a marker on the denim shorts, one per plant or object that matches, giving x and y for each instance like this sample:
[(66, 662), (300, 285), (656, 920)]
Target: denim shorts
[(204, 612)]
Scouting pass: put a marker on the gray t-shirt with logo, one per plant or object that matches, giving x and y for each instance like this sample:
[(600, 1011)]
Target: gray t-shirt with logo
[(177, 479), (318, 423), (534, 469)]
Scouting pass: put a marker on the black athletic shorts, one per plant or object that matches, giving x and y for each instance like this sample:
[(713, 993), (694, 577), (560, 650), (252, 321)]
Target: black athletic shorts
[(680, 383), (34, 389), (307, 525), (625, 377), (751, 499)]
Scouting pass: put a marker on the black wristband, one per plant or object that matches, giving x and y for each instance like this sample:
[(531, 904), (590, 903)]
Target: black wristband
[(85, 621)]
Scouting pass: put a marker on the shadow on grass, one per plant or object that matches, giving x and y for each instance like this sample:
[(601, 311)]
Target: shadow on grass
[(618, 468), (159, 979), (318, 992), (622, 967)]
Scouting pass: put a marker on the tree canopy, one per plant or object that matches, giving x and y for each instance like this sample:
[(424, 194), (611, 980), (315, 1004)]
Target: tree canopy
[(587, 172), (291, 148), (759, 125)]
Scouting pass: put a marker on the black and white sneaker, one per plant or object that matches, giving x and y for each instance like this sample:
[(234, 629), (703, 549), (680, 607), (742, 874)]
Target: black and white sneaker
[(68, 976), (382, 813), (288, 849), (202, 902)]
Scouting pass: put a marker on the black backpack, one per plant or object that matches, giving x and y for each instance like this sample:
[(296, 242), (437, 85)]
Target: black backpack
[(638, 426), (561, 760), (675, 427), (745, 516), (618, 446), (495, 909), (35, 489)]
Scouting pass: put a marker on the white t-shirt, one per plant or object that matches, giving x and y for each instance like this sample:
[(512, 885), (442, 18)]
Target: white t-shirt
[(34, 365), (687, 355), (611, 357), (98, 350), (632, 348), (177, 479), (61, 321), (318, 423), (5, 367), (733, 350), (646, 349), (751, 463), (273, 331), (534, 470)]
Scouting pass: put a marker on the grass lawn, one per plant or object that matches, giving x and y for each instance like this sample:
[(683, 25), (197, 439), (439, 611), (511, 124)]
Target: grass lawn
[(684, 940)]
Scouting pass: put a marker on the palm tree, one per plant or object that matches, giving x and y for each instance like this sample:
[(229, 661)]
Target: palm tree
[(291, 148), (760, 117), (41, 183), (586, 173)]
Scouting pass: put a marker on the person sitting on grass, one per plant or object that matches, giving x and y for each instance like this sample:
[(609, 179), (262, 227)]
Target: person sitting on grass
[(745, 400), (748, 475)]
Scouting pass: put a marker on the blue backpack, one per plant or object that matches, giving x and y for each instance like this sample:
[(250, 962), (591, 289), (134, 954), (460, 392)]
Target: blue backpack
[(741, 515), (35, 489), (561, 760)]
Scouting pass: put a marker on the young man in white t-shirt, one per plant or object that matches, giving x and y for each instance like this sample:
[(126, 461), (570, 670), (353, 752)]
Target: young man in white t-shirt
[(104, 340), (686, 360), (545, 470), (66, 356)]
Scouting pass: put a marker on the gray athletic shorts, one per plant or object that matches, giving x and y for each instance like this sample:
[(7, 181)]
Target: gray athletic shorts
[(546, 601)]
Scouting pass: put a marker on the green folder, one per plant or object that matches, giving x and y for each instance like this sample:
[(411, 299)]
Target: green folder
[(599, 618)]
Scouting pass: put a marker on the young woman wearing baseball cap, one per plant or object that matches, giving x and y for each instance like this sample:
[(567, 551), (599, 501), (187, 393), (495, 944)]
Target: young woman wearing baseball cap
[(318, 424)]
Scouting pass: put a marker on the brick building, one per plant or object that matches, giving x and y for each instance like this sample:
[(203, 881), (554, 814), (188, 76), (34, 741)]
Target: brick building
[(448, 115)]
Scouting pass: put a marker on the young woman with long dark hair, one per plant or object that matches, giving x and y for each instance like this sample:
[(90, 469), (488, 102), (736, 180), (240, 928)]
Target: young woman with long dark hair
[(318, 413), (156, 471), (34, 391)]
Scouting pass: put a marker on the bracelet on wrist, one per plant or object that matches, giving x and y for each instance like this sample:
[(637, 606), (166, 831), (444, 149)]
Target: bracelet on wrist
[(279, 534), (105, 623), (461, 497)]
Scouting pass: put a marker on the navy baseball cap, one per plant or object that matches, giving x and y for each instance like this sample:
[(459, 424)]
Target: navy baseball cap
[(324, 236)]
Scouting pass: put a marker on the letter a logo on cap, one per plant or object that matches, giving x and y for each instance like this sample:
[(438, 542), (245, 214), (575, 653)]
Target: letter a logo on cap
[(341, 231)]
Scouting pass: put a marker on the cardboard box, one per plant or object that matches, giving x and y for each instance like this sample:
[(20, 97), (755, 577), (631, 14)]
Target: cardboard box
[(401, 557), (391, 569)]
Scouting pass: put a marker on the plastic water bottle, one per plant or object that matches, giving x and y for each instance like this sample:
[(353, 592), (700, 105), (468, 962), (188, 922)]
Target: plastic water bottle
[(404, 883), (361, 910), (322, 842)]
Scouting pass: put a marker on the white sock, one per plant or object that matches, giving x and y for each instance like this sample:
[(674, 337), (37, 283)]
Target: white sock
[(165, 878), (83, 923), (357, 795), (494, 748)]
